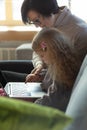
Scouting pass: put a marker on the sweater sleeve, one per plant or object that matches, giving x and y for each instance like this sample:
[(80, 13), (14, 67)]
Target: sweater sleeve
[(55, 97), (36, 60)]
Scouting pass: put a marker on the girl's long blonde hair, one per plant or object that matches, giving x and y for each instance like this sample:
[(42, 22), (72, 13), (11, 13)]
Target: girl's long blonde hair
[(64, 64)]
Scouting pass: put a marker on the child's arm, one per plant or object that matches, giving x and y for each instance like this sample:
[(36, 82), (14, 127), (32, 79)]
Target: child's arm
[(36, 77), (37, 63)]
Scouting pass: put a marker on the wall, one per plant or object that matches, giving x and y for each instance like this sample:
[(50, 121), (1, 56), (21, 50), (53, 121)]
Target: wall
[(17, 35)]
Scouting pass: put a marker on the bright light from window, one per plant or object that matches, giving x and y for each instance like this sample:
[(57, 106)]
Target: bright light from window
[(16, 7), (2, 10), (63, 2), (79, 8)]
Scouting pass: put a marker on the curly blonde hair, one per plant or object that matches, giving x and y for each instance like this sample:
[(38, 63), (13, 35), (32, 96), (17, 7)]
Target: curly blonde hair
[(64, 64)]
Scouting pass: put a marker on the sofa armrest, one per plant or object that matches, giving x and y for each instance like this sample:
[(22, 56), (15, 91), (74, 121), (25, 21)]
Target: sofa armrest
[(22, 66)]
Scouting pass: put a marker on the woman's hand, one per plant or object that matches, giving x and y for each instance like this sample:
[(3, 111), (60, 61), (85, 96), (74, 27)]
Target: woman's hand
[(37, 70)]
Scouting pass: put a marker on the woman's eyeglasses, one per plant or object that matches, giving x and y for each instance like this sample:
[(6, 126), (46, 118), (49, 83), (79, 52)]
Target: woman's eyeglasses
[(36, 21)]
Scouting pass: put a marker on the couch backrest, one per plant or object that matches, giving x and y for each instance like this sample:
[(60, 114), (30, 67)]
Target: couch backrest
[(77, 107), (84, 64)]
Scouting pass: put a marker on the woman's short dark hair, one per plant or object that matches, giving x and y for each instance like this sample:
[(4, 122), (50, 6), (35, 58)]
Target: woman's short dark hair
[(44, 7)]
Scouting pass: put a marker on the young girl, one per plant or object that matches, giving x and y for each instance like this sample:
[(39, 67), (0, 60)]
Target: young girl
[(54, 49)]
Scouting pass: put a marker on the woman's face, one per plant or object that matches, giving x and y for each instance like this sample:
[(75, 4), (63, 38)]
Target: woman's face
[(40, 21)]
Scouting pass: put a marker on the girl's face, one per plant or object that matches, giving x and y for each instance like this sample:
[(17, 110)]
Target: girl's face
[(44, 56), (40, 21)]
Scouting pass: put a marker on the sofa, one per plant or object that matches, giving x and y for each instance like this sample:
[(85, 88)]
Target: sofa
[(22, 66), (24, 51), (77, 106)]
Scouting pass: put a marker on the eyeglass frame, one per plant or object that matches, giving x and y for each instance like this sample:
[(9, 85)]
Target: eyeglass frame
[(36, 21)]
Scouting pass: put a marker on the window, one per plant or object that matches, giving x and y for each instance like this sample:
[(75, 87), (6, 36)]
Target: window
[(77, 7), (10, 12)]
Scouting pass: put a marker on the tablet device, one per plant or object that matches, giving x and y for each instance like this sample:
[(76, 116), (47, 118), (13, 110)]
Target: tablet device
[(24, 90)]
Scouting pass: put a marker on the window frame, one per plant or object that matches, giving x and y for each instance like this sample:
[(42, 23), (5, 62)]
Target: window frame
[(9, 19)]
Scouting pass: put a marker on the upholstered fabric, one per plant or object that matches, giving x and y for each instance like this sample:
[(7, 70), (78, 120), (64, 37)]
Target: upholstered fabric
[(84, 64), (22, 66), (77, 107), (24, 52), (20, 115)]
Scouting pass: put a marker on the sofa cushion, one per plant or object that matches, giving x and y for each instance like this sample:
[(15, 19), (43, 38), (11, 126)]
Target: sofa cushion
[(24, 52), (84, 64), (77, 107), (20, 115)]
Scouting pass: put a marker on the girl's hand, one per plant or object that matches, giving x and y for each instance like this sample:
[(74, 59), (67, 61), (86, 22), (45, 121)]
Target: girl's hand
[(33, 78)]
